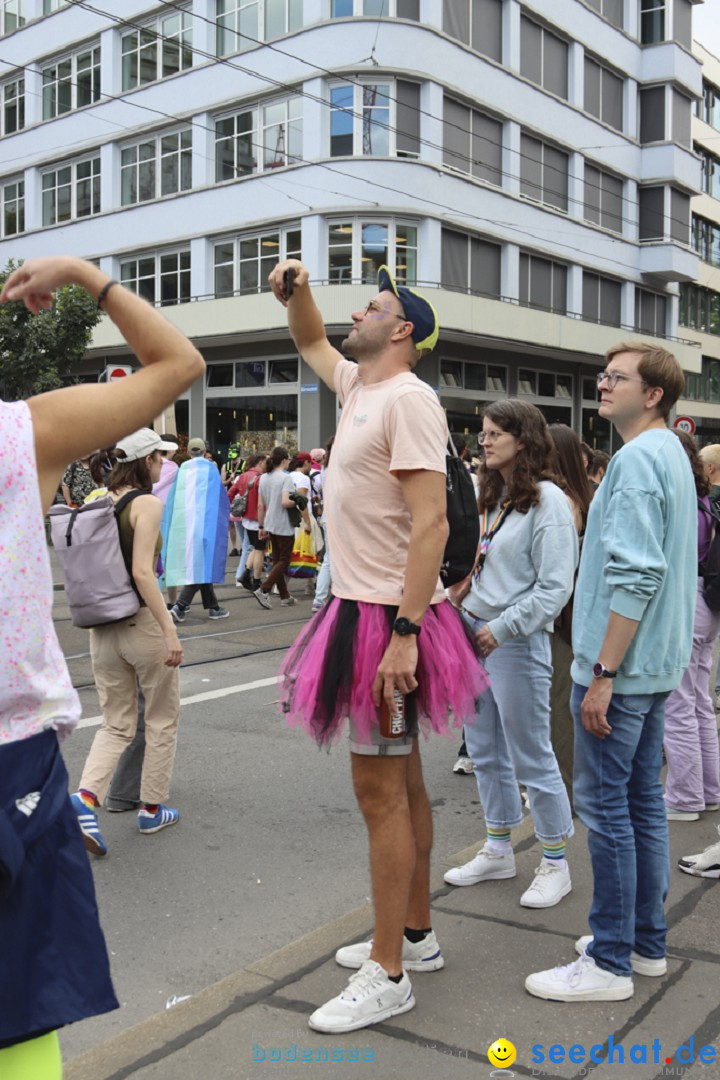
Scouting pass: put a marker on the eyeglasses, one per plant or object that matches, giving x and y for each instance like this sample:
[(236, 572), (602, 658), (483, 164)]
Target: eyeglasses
[(490, 436), (612, 378), (372, 307)]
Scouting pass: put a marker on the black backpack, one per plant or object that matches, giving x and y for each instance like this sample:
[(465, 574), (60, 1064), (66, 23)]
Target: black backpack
[(463, 520), (709, 569)]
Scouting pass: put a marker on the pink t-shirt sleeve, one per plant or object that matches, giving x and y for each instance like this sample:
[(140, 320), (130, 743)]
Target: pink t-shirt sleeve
[(346, 375), (417, 431)]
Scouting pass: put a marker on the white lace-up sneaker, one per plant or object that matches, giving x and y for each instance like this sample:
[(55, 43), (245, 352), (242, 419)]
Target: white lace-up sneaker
[(706, 864), (486, 866), (641, 965), (423, 955), (369, 998), (549, 886), (582, 980)]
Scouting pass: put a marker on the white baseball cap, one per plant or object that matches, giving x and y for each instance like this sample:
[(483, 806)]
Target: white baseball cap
[(141, 443)]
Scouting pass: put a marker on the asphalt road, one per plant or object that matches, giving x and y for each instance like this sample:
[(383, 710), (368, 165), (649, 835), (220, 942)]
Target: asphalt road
[(270, 845)]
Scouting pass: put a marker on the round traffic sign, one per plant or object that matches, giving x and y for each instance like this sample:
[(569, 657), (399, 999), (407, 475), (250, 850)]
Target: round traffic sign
[(685, 423)]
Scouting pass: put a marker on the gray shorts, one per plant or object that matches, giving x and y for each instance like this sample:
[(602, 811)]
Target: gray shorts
[(379, 746)]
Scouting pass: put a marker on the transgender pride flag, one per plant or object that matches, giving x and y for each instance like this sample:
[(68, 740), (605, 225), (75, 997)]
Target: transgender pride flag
[(195, 526)]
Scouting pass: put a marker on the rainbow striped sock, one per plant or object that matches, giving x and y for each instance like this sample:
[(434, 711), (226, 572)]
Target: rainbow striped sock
[(554, 852), (499, 840)]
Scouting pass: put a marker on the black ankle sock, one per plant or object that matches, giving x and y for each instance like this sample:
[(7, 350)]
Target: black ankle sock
[(395, 978), (416, 935)]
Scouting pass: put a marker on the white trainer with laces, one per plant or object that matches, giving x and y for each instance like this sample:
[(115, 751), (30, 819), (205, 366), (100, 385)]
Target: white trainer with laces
[(549, 886), (486, 866), (706, 864), (369, 998), (423, 955), (582, 980), (641, 965)]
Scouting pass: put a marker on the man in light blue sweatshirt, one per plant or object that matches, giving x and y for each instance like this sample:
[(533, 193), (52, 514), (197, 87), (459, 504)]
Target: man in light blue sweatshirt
[(632, 636)]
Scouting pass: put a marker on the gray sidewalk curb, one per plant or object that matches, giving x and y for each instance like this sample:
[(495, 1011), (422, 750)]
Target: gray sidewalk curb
[(241, 989)]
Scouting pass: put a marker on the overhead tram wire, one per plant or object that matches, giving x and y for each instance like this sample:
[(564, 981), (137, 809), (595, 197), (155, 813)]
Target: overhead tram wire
[(293, 89)]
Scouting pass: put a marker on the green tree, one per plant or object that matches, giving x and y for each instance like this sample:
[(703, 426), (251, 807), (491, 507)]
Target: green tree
[(38, 352)]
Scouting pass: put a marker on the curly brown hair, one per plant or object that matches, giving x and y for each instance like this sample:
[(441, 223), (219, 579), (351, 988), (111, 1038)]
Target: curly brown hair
[(535, 461), (702, 484)]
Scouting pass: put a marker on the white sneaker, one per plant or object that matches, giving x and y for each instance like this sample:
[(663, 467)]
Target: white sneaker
[(710, 806), (424, 955), (681, 815), (464, 766), (486, 866), (582, 980), (262, 598), (549, 886), (369, 998), (706, 864), (641, 965)]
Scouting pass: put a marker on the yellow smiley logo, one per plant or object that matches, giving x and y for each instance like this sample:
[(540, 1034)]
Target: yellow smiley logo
[(502, 1053)]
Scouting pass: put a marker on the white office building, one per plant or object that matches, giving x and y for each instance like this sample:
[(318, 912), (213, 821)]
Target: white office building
[(530, 165)]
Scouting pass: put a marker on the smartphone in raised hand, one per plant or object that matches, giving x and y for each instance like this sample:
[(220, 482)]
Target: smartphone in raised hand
[(289, 281)]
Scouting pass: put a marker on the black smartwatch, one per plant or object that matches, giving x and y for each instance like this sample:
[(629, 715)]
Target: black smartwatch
[(601, 672), (403, 627)]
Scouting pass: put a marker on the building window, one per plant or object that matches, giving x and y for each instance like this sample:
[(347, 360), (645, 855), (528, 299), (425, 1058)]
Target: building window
[(700, 308), (601, 299), (477, 23), (543, 172), (652, 21), (710, 166), (471, 375), (259, 138), (375, 119), (544, 384), (71, 191), (603, 94), (13, 107), (679, 217), (242, 24), (376, 9), (357, 249), (612, 10), (652, 114), (470, 264), (603, 198), (162, 278), (543, 57), (140, 177), (12, 15), (243, 263), (682, 23), (681, 119), (709, 106), (13, 208), (652, 213), (472, 142), (650, 312), (157, 50), (71, 83), (53, 5), (706, 240), (543, 284)]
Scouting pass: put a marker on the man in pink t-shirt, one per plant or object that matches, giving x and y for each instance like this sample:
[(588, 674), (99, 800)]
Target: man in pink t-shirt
[(388, 628)]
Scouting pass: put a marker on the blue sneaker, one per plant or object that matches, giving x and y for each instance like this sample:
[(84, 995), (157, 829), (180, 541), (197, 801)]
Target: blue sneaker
[(149, 823), (88, 822)]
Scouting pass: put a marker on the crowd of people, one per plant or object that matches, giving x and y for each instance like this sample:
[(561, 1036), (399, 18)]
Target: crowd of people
[(578, 645)]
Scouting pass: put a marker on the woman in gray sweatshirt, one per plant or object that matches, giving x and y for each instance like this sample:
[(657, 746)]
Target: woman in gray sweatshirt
[(523, 579)]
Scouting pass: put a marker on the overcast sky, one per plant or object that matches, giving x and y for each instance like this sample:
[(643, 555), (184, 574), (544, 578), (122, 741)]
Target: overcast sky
[(706, 25)]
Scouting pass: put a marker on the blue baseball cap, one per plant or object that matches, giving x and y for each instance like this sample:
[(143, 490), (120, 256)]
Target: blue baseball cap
[(418, 311)]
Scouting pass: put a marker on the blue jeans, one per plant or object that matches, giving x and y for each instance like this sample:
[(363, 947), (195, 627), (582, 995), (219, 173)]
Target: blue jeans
[(244, 551), (619, 797), (509, 742)]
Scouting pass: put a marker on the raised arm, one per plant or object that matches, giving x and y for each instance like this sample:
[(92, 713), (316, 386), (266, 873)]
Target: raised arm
[(305, 322), (72, 422)]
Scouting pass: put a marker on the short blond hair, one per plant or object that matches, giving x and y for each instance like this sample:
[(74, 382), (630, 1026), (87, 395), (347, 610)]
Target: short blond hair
[(711, 454), (657, 367)]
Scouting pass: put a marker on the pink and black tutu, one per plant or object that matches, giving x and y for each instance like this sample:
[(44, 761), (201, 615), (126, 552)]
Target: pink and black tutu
[(329, 671)]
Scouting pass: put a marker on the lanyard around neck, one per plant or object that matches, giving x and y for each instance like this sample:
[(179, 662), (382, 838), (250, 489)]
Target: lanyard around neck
[(488, 532)]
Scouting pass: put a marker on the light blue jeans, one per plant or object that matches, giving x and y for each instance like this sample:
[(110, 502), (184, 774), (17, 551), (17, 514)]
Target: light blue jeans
[(244, 551), (509, 743), (619, 797), (322, 586)]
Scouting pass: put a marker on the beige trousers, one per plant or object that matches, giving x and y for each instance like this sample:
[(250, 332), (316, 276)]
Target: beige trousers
[(124, 654)]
